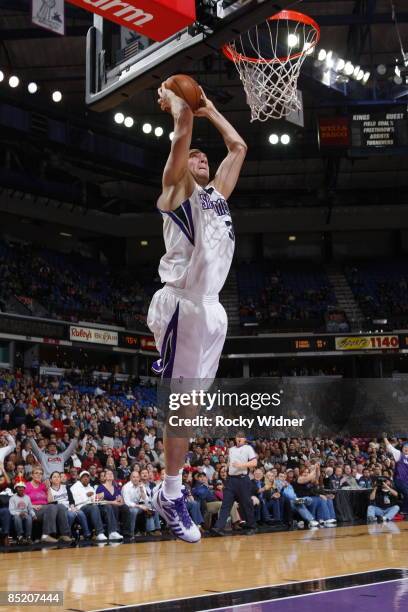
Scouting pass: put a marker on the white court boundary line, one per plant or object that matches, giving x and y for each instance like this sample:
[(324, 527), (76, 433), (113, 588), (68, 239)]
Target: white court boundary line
[(266, 586)]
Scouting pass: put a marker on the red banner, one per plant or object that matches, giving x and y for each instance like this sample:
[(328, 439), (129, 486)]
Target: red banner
[(147, 343), (334, 132), (156, 19)]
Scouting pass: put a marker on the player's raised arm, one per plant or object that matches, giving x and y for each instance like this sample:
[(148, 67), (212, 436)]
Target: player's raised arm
[(177, 181), (228, 173)]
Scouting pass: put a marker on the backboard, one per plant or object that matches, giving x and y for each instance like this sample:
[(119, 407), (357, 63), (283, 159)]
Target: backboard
[(120, 63)]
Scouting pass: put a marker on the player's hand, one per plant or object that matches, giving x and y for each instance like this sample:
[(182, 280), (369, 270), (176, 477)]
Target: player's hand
[(167, 98), (206, 106)]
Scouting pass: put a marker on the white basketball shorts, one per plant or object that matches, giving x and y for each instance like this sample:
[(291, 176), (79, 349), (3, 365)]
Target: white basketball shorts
[(189, 331)]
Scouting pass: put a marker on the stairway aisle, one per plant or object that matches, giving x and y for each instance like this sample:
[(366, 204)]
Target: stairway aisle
[(344, 296)]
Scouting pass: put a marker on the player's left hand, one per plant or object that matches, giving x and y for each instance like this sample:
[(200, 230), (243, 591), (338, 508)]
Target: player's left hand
[(206, 106)]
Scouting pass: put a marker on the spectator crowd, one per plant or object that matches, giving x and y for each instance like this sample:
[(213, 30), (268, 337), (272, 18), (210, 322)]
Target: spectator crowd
[(47, 283), (78, 465), (291, 297)]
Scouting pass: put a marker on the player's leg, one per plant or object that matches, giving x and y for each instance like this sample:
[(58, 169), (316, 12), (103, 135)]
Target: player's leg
[(178, 327), (216, 331), (201, 332), (163, 319)]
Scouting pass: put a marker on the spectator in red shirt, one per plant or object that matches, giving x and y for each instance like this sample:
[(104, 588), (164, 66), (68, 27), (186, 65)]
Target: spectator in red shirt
[(91, 459), (57, 425)]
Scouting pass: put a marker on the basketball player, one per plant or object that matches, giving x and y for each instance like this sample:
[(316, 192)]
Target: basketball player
[(188, 322)]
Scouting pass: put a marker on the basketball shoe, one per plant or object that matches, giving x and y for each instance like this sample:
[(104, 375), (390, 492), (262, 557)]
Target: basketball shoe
[(175, 513)]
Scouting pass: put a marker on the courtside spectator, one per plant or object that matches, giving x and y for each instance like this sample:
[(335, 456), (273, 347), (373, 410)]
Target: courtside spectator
[(85, 499), (53, 516), (365, 482), (349, 481), (152, 517), (298, 505), (382, 501), (134, 496), (113, 509), (193, 506), (22, 512), (210, 505), (259, 489), (58, 492)]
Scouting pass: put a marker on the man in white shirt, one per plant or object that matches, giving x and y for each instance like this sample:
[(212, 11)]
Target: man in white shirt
[(86, 499), (241, 458), (136, 497), (207, 469), (150, 438), (7, 445)]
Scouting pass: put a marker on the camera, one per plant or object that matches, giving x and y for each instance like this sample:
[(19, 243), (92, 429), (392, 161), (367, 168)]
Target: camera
[(379, 481)]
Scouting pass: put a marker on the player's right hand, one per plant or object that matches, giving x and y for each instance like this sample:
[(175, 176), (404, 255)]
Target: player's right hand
[(166, 97)]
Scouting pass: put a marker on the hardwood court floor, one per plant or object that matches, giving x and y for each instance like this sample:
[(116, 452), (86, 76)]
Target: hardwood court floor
[(94, 578)]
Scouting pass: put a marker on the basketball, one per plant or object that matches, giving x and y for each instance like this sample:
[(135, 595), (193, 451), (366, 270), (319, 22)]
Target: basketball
[(187, 88)]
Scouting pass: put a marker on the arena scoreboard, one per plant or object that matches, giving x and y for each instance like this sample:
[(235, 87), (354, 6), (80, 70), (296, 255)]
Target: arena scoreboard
[(379, 130), (365, 132)]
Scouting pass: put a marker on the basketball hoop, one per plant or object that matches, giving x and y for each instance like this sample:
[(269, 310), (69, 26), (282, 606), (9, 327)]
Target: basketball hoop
[(269, 57)]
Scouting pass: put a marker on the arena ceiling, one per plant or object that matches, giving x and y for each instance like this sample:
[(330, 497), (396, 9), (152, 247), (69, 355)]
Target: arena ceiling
[(359, 30)]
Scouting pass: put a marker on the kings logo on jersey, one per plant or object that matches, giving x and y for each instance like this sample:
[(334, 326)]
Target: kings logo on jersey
[(219, 205)]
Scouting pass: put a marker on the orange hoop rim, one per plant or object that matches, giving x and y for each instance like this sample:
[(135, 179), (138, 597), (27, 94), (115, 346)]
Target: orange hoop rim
[(233, 55)]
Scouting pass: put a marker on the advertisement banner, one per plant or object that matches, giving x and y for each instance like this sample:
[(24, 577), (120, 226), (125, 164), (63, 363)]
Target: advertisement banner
[(156, 19), (366, 343), (334, 132), (49, 14), (93, 336), (147, 343)]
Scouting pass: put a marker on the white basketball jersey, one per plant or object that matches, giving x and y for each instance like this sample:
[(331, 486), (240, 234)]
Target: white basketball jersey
[(199, 239)]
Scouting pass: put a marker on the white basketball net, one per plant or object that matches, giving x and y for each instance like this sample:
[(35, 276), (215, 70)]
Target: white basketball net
[(270, 80)]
